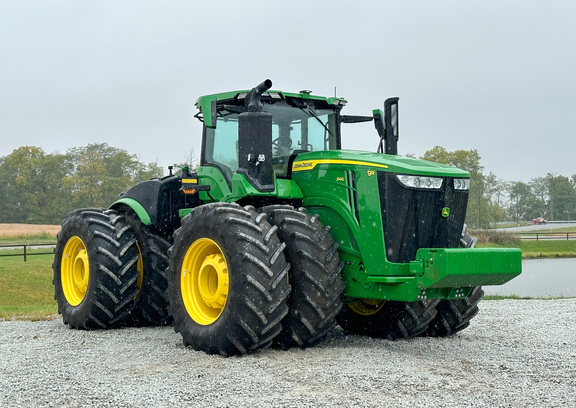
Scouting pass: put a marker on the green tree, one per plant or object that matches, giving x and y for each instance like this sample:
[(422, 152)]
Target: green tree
[(494, 197), (36, 187), (538, 203), (31, 185), (101, 172), (562, 197), (520, 196)]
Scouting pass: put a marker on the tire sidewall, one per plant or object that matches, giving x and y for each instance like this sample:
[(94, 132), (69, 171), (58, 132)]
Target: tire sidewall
[(257, 278), (77, 315), (221, 325)]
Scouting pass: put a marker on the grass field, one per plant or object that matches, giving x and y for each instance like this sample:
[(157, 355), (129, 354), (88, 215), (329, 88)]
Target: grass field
[(548, 249), (27, 291), (532, 249)]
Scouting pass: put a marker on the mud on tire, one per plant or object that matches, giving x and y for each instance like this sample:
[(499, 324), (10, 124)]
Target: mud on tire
[(314, 276), (228, 280), (95, 269)]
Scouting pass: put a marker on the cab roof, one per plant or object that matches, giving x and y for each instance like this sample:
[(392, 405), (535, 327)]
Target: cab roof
[(207, 104)]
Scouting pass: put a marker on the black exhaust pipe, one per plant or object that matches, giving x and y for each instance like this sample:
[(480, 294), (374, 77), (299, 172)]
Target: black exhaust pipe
[(252, 102)]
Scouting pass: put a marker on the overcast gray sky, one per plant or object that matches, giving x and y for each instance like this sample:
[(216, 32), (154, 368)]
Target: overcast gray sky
[(496, 76)]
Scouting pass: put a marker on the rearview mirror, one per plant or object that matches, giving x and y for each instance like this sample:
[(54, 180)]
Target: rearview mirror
[(391, 132)]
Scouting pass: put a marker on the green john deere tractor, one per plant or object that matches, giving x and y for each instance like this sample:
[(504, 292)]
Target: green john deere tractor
[(280, 235)]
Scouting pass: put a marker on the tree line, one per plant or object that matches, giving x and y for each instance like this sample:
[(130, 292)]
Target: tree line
[(41, 188), (493, 200)]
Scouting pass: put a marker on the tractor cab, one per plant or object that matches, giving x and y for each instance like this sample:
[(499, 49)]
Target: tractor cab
[(260, 135)]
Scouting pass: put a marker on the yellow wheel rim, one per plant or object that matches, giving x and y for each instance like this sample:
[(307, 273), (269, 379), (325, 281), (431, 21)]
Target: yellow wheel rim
[(204, 281), (367, 307), (74, 271)]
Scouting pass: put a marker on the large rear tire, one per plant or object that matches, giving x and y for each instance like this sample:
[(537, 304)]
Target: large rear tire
[(151, 304), (314, 276), (95, 269), (387, 319), (228, 280)]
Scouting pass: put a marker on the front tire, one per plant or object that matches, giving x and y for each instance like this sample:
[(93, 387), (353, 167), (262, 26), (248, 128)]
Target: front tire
[(314, 276), (95, 269), (455, 315), (228, 280), (387, 319)]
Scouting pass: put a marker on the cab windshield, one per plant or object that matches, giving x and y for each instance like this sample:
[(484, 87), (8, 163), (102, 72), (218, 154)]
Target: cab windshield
[(294, 130)]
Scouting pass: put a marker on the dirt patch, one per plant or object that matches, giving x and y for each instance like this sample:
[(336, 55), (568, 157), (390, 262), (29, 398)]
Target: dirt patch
[(16, 230)]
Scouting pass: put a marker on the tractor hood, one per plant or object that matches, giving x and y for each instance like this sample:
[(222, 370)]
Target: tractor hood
[(391, 163)]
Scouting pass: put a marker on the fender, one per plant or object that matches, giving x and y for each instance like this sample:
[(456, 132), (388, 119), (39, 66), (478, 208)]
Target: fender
[(136, 207), (156, 202)]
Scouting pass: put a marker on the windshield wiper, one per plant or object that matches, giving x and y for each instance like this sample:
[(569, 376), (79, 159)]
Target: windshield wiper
[(310, 112)]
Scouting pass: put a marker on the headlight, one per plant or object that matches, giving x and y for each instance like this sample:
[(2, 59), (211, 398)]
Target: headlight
[(420, 181), (461, 184)]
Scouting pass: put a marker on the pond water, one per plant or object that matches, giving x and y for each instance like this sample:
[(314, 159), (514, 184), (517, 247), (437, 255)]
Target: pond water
[(541, 278)]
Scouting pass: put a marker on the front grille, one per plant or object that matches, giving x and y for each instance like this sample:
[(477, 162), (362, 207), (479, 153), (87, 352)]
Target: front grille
[(412, 218)]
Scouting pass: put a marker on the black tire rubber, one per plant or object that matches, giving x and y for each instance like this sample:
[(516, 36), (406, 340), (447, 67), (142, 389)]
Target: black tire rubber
[(110, 256), (257, 273), (454, 315), (391, 320), (314, 276), (151, 305)]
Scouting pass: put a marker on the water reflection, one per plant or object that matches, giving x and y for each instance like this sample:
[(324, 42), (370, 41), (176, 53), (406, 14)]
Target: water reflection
[(541, 278)]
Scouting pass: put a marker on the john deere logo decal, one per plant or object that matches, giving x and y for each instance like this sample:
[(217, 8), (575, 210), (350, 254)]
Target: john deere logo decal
[(445, 212)]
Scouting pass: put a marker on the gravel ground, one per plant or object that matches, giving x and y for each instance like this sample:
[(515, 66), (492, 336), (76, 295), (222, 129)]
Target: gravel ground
[(516, 353)]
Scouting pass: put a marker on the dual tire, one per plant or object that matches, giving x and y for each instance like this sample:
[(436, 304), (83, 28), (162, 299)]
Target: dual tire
[(228, 280), (242, 280), (110, 271), (387, 319), (401, 320), (95, 269), (228, 276), (314, 276)]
